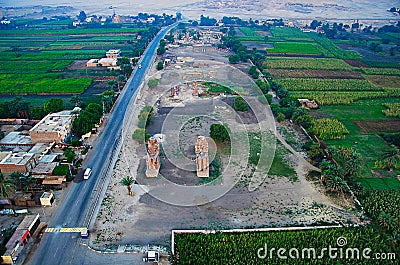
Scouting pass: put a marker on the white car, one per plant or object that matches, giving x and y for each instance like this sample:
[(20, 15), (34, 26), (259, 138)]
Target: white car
[(140, 66), (87, 173)]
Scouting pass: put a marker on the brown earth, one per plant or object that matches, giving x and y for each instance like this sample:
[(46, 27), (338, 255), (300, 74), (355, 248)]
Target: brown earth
[(378, 126), (356, 63)]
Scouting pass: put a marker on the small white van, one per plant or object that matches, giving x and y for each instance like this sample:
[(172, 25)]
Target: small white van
[(87, 173)]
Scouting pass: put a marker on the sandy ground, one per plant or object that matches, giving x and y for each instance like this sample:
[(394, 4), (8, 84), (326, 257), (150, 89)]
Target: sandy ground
[(143, 219)]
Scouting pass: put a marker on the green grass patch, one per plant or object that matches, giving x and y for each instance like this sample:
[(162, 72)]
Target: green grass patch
[(248, 31), (380, 183), (285, 33), (294, 48), (217, 88)]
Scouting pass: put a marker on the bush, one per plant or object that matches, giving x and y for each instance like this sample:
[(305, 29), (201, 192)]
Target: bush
[(145, 117), (69, 155), (234, 59), (62, 170), (160, 66), (269, 98), (253, 72), (240, 104), (153, 83), (219, 133), (140, 135), (76, 143), (280, 117)]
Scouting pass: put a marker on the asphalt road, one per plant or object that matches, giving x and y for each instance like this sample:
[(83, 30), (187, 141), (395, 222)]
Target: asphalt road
[(64, 248)]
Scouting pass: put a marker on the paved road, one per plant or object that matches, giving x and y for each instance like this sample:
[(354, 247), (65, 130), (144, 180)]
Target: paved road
[(64, 248)]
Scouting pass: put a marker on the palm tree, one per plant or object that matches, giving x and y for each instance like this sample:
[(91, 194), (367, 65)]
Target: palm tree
[(28, 183), (108, 101), (6, 186), (17, 179), (392, 157), (127, 181), (75, 100)]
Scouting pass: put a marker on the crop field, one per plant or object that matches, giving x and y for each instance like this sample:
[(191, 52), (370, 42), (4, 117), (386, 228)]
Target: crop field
[(37, 61), (289, 34), (342, 98), (384, 80), (378, 126), (313, 84), (381, 71), (391, 109), (241, 248), (380, 183), (307, 63), (295, 48), (93, 31), (330, 49), (322, 74), (248, 31)]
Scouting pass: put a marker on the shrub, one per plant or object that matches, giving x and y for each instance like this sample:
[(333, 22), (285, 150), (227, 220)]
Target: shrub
[(160, 66), (280, 117), (219, 132), (240, 104), (76, 143), (153, 83), (140, 135), (62, 170)]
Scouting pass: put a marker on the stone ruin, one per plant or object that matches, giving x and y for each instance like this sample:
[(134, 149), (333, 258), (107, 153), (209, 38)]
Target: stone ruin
[(152, 159), (175, 92), (202, 162), (195, 92)]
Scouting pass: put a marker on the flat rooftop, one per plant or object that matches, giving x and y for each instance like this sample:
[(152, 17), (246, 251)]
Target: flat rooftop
[(107, 60), (17, 158), (15, 138), (54, 122), (114, 51), (41, 148)]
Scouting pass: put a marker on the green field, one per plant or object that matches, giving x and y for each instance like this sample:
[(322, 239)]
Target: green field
[(36, 61), (249, 31), (294, 48), (289, 34), (371, 146), (242, 248), (330, 49), (380, 183), (307, 63), (314, 84)]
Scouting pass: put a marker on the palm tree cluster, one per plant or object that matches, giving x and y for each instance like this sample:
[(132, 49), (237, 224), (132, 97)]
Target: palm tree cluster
[(345, 164), (6, 186), (16, 181)]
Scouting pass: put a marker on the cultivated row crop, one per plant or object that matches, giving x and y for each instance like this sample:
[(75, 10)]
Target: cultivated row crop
[(307, 63), (314, 84), (344, 98), (328, 129)]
